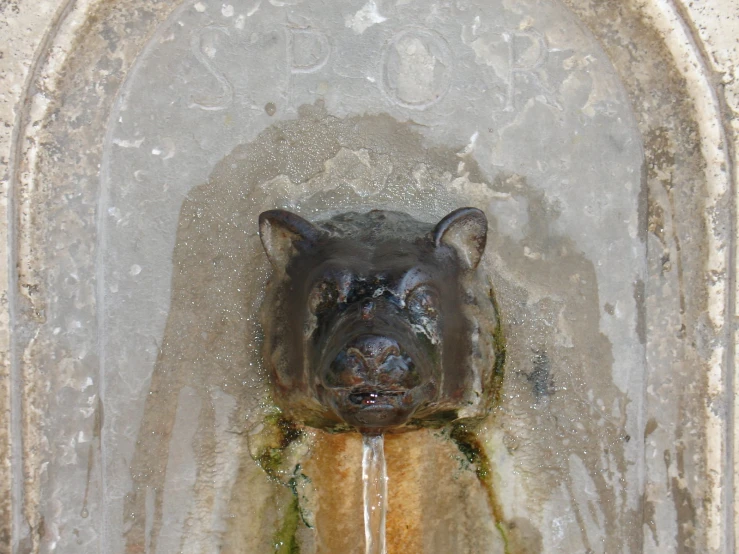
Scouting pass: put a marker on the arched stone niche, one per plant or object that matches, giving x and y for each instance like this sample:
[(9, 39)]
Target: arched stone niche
[(154, 133)]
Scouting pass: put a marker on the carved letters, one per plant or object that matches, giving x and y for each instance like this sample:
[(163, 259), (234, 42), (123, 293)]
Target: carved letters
[(415, 70), (224, 99)]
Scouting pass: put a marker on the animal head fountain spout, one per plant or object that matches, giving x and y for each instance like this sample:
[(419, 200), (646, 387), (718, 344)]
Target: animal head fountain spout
[(375, 322)]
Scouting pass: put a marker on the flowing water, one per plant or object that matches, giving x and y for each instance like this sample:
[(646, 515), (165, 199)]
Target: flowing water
[(374, 480)]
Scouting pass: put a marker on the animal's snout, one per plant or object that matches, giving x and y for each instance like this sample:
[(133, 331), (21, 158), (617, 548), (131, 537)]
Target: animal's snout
[(374, 360)]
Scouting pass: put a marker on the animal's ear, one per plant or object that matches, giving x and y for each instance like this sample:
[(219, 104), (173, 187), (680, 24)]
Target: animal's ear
[(466, 231), (284, 234)]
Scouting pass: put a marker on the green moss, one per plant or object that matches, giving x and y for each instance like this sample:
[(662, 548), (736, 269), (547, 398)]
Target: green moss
[(504, 535), (270, 460), (285, 540), (469, 445), (279, 433), (283, 433), (466, 439)]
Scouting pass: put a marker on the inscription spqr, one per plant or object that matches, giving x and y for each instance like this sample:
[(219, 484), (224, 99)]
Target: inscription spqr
[(417, 65)]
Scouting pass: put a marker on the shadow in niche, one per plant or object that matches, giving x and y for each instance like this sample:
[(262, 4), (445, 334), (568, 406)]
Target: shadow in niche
[(196, 484)]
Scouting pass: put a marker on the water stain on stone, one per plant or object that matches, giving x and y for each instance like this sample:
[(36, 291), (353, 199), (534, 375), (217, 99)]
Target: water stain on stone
[(649, 520), (641, 315), (651, 427), (524, 537), (540, 376), (93, 446), (545, 291)]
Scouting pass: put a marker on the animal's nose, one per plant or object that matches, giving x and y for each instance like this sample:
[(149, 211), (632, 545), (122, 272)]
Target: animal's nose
[(374, 349), (371, 359)]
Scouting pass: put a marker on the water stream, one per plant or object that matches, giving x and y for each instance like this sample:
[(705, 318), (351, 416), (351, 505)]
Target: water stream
[(374, 480)]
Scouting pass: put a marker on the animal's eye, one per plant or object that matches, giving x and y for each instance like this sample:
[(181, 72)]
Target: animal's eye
[(324, 296), (423, 300)]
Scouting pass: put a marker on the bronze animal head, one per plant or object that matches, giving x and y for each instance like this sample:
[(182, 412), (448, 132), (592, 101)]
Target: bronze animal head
[(372, 321)]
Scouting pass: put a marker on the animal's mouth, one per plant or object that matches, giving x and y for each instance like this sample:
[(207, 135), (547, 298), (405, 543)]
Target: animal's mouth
[(370, 408), (376, 398)]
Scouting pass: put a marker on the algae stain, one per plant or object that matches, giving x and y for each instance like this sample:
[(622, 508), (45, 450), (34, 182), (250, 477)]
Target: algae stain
[(293, 485), (471, 447), (278, 435), (464, 434), (275, 438), (285, 539), (504, 535), (499, 345)]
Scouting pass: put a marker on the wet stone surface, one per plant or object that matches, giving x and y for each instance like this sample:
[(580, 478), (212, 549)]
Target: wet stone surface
[(511, 108)]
